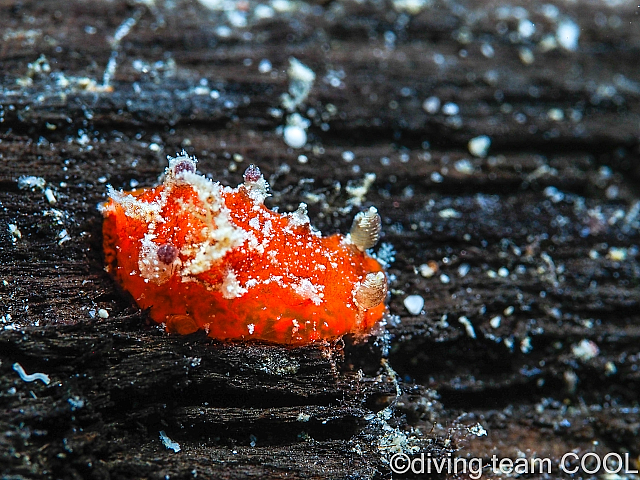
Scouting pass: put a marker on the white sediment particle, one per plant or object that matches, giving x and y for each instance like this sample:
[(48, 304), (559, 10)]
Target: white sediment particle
[(428, 270), (468, 326), (449, 213), (30, 182), (525, 345), (15, 232), (102, 313), (295, 136), (251, 328), (495, 321), (359, 191), (431, 105), (44, 378), (477, 430), (414, 304), (464, 166), (301, 80), (51, 198), (568, 33), (231, 287), (479, 146), (585, 350), (309, 291), (168, 443)]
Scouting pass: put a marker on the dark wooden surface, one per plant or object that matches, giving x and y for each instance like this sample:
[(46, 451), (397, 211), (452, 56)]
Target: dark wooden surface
[(555, 203)]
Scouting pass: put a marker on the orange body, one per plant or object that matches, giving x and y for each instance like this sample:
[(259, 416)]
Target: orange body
[(272, 279)]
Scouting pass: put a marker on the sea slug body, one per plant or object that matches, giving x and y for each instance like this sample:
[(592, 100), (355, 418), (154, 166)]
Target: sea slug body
[(199, 255)]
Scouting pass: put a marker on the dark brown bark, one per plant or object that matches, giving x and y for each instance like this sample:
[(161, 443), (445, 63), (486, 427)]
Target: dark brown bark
[(542, 232)]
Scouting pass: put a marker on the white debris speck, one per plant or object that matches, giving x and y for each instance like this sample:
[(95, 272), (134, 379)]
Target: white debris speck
[(495, 321), (102, 313), (449, 213), (32, 377), (464, 166), (15, 232), (585, 350), (526, 55), (51, 198), (303, 417), (477, 430), (567, 34), (436, 177), (31, 182), (167, 442), (301, 80), (479, 146), (295, 136), (617, 254), (303, 159), (463, 269), (503, 272), (251, 327), (428, 270), (264, 66), (444, 278), (526, 28), (468, 326), (414, 304), (610, 369), (450, 109), (525, 345), (555, 114), (431, 105), (509, 310), (348, 156)]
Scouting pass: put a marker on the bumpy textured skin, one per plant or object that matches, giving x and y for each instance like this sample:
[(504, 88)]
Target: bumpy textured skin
[(272, 278)]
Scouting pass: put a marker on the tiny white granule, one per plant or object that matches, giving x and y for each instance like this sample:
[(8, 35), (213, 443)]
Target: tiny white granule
[(495, 321), (431, 105), (414, 304), (251, 327), (450, 109), (468, 326), (348, 156), (427, 270), (463, 269), (167, 442), (617, 254), (264, 66), (102, 313), (295, 136), (585, 350), (44, 378), (15, 232), (479, 146), (503, 272), (303, 417), (526, 28), (525, 345), (444, 278), (51, 198), (567, 34), (464, 166), (477, 430)]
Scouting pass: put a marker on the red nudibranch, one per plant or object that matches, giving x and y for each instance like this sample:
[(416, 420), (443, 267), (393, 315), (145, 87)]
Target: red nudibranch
[(199, 255)]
